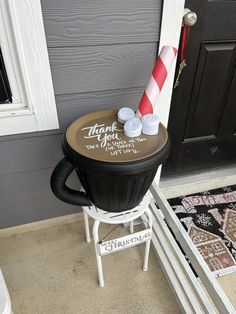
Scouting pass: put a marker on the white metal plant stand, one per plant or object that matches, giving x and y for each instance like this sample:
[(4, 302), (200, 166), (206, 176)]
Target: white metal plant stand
[(114, 245)]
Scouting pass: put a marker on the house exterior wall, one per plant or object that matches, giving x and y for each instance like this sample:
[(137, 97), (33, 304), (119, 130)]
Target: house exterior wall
[(101, 56)]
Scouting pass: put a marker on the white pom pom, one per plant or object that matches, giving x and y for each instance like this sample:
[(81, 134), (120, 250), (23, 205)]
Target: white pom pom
[(133, 127), (125, 114), (150, 124)]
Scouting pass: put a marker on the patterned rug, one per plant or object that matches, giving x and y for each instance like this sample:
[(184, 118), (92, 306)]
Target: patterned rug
[(210, 220)]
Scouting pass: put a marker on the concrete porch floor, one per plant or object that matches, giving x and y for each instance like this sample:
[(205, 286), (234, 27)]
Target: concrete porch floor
[(50, 269)]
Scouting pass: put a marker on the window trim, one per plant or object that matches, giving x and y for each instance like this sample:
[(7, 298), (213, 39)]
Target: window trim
[(25, 53)]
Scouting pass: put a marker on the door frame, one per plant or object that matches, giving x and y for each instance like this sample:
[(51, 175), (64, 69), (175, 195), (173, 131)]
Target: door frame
[(171, 23)]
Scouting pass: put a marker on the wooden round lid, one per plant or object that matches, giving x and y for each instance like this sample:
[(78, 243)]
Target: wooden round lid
[(100, 136)]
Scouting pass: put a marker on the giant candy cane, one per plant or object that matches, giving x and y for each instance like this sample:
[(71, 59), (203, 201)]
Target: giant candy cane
[(159, 75)]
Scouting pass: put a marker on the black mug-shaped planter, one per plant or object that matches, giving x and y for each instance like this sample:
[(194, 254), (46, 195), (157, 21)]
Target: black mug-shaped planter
[(114, 170)]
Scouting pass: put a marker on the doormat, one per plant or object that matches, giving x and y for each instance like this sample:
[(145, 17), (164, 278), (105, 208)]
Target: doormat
[(210, 220)]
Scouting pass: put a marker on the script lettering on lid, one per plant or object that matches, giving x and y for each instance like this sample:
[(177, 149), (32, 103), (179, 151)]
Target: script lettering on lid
[(100, 132), (111, 139), (100, 136)]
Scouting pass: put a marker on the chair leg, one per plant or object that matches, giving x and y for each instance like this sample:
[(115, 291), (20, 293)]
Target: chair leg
[(86, 224), (131, 227), (148, 242), (98, 257)]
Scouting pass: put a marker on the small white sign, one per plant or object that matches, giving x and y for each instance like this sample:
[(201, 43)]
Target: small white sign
[(124, 242)]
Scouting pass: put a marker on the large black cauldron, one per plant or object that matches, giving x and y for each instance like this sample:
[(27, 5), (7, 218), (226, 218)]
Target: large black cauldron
[(114, 170)]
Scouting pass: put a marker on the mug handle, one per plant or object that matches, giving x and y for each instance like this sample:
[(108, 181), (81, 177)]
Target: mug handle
[(58, 179)]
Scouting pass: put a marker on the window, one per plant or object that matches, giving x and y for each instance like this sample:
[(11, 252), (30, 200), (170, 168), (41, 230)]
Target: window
[(30, 103), (5, 90)]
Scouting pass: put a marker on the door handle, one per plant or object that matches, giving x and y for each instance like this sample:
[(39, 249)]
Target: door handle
[(189, 17)]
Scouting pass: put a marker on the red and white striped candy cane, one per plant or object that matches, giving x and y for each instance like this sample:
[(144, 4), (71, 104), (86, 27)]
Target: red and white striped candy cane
[(159, 75)]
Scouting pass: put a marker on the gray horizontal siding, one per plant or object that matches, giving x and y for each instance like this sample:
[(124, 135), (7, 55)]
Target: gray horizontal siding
[(26, 197), (38, 152), (71, 106), (82, 23), (101, 55), (86, 69), (27, 154)]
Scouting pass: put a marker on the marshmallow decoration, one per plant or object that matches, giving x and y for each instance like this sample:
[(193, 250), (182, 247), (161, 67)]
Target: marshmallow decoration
[(159, 75), (133, 127), (125, 114), (150, 124)]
